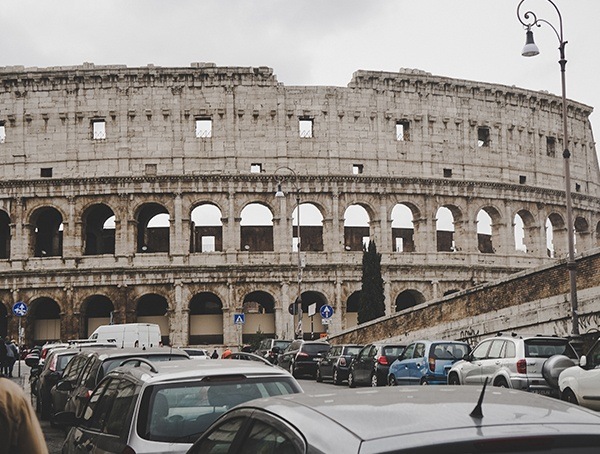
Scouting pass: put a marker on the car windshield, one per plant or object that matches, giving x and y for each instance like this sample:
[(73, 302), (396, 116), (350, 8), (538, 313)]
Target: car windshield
[(313, 349), (282, 344), (545, 348), (393, 351), (181, 412), (352, 350)]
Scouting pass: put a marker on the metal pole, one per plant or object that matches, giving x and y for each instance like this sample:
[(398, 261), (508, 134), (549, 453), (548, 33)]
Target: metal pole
[(300, 334)]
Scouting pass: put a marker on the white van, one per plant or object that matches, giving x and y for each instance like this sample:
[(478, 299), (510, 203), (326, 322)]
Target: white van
[(140, 335)]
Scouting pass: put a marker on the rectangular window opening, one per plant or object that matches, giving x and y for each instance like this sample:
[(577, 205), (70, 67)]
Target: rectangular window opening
[(2, 132), (399, 244), (551, 146), (365, 242), (357, 169), (99, 129), (522, 179), (203, 128), (447, 173), (577, 187), (46, 172), (483, 137), (255, 168), (208, 244), (306, 128), (402, 131)]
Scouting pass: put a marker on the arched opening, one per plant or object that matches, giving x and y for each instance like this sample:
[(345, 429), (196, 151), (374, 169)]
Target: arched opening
[(206, 319), (207, 229), (311, 228), (556, 236), (356, 228), (4, 235), (525, 231), (47, 238), (352, 307), (153, 223), (403, 230), (153, 308), (259, 310), (484, 232), (98, 224), (96, 311), (582, 234), (445, 230), (43, 321), (408, 298), (256, 228)]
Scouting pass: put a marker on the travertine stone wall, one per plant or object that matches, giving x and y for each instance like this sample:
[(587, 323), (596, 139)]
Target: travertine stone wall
[(150, 154)]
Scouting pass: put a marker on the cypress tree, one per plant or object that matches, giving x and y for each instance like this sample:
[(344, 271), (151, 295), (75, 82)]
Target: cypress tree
[(372, 299)]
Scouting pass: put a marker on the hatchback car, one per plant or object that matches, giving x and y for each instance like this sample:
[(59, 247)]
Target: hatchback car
[(301, 357), (335, 364), (371, 365), (581, 384), (101, 362), (410, 419), (512, 361), (164, 407), (426, 362)]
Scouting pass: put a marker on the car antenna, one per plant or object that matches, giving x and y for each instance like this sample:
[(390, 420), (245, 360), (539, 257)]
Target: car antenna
[(477, 413)]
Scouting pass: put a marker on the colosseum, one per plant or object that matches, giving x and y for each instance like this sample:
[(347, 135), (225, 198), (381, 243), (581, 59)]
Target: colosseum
[(149, 195)]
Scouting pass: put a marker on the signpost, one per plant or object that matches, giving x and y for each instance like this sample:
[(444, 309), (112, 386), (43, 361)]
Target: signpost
[(239, 320), (326, 314), (20, 310)]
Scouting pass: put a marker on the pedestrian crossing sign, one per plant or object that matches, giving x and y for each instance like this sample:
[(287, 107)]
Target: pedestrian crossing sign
[(239, 319)]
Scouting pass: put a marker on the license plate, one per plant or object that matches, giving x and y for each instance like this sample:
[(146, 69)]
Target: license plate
[(316, 359), (543, 392)]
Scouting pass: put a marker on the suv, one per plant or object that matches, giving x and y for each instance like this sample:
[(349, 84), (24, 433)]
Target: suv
[(336, 363), (512, 361), (266, 346), (581, 384), (371, 365), (99, 363), (164, 407), (426, 362), (301, 357)]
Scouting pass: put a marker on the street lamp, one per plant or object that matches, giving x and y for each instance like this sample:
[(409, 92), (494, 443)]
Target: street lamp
[(297, 304), (529, 19)]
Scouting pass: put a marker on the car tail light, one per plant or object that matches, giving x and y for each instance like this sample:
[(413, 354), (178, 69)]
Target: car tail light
[(432, 364), (342, 361), (88, 394), (44, 353), (383, 360), (302, 355), (522, 366), (128, 450)]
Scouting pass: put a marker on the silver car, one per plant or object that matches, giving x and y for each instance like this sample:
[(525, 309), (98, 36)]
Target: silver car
[(512, 361), (146, 407)]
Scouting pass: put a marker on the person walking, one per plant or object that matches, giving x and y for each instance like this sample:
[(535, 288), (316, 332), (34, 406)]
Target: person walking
[(214, 355), (20, 430), (12, 352)]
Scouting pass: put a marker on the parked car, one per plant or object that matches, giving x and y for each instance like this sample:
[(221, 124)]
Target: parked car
[(145, 407), (197, 353), (246, 356), (100, 362), (581, 384), (512, 361), (335, 364), (411, 419), (372, 363), (51, 373), (60, 391), (301, 357), (35, 360), (265, 347), (426, 362)]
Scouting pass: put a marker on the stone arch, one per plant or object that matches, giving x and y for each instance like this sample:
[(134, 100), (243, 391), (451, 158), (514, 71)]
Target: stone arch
[(206, 319), (98, 230), (408, 298), (556, 235), (357, 231), (206, 228), (582, 234), (259, 307), (403, 229), (311, 227), (352, 308), (446, 216), (487, 218), (316, 327), (43, 321), (256, 227), (526, 231), (5, 235), (95, 311), (154, 308), (152, 233), (46, 232)]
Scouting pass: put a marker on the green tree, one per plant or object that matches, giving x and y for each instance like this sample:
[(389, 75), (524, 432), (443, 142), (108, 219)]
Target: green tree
[(372, 299)]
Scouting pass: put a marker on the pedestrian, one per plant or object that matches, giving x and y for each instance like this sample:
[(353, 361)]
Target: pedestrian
[(227, 353), (11, 357), (15, 351), (214, 355), (20, 431)]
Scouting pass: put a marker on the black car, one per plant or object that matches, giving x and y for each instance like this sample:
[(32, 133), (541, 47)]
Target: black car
[(335, 364), (51, 373), (60, 393), (301, 357), (371, 365)]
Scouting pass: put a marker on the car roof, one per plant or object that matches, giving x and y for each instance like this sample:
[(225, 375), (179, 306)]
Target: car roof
[(107, 353), (175, 371), (429, 411)]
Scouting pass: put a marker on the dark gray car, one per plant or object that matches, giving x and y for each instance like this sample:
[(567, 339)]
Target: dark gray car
[(335, 364)]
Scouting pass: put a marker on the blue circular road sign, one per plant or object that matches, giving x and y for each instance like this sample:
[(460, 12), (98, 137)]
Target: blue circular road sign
[(20, 309), (326, 311)]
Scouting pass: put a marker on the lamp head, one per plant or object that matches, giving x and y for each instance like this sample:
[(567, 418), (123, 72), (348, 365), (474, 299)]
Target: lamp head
[(279, 194), (530, 49)]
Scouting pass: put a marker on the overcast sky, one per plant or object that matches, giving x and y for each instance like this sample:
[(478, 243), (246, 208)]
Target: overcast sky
[(317, 42)]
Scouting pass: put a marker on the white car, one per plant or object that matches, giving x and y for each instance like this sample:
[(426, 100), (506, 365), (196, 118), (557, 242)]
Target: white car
[(581, 384)]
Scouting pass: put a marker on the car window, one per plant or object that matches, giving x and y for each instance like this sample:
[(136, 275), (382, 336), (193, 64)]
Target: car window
[(419, 351), (63, 361), (117, 422), (92, 411), (408, 352), (89, 373), (510, 350), (74, 368), (265, 439), (448, 351), (481, 350), (220, 439), (281, 344), (181, 412), (351, 350), (364, 353), (545, 348), (372, 352), (392, 351), (495, 349), (593, 357), (313, 349)]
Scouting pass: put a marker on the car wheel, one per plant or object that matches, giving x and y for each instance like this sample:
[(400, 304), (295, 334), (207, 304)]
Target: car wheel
[(374, 381), (392, 381), (453, 380), (501, 383), (319, 376), (351, 382), (569, 396), (336, 377), (424, 382)]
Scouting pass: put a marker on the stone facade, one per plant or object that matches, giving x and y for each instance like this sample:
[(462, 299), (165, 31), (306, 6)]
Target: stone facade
[(111, 177)]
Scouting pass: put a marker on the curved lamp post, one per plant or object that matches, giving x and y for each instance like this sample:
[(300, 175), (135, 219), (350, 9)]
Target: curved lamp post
[(529, 20), (297, 304)]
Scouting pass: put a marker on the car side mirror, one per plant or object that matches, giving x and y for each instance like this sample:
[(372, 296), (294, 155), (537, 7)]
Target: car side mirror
[(467, 357), (65, 419), (583, 361), (32, 360)]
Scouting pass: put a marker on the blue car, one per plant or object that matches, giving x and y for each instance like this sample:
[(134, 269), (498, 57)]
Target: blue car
[(426, 362)]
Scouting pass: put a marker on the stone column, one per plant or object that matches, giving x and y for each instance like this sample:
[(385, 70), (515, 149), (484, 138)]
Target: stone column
[(384, 241), (178, 240)]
